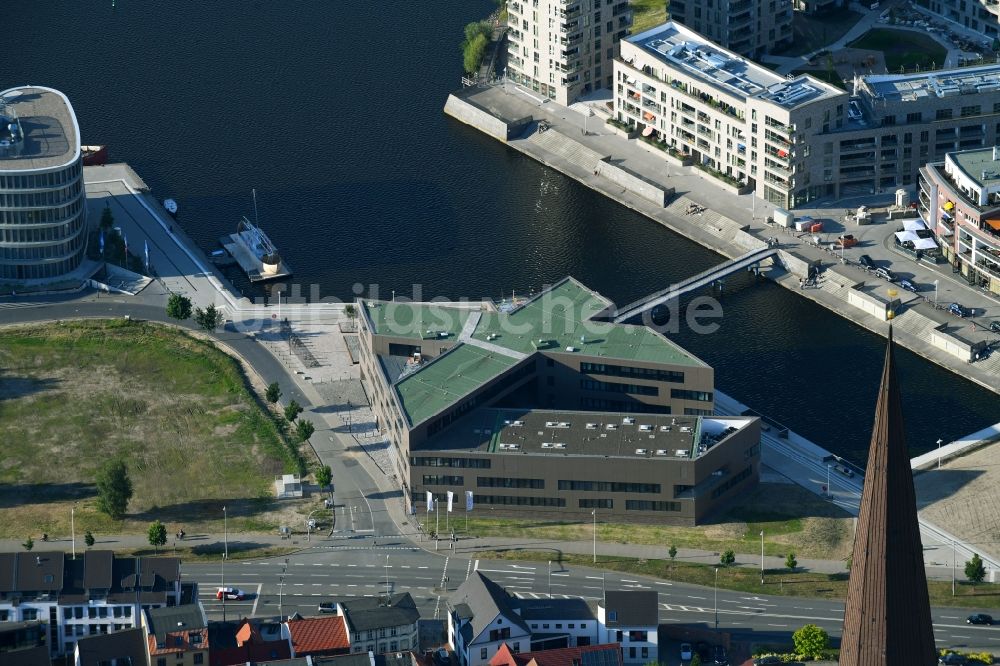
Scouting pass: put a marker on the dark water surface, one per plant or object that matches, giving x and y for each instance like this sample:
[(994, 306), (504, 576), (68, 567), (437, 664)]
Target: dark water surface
[(332, 110)]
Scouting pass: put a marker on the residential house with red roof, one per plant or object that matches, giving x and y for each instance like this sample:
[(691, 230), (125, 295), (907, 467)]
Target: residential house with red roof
[(608, 654), (317, 636)]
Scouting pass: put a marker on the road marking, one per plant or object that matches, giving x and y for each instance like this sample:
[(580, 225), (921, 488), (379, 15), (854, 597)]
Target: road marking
[(421, 567), (505, 571), (298, 584), (437, 607), (596, 577), (957, 636), (300, 564), (700, 598), (444, 577), (253, 611), (592, 587), (777, 625), (625, 580), (476, 567), (950, 617), (560, 574), (468, 570), (656, 582)]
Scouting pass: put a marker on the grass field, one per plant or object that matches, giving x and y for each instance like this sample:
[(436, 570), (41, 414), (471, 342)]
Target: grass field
[(902, 49), (177, 410), (647, 13), (792, 519), (783, 582)]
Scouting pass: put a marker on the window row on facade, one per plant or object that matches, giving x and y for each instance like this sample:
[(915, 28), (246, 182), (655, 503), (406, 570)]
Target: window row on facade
[(57, 197), (38, 181), (651, 374), (55, 251), (39, 271), (539, 484), (40, 216), (38, 234)]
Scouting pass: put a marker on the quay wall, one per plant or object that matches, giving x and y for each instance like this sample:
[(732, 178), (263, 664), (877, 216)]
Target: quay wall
[(730, 241), (634, 182)]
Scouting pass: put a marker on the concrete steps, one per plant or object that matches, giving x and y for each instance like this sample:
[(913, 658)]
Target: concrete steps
[(567, 148), (915, 324)]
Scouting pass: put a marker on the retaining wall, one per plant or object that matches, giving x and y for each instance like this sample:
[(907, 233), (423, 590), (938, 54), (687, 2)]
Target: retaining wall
[(472, 114), (635, 183)]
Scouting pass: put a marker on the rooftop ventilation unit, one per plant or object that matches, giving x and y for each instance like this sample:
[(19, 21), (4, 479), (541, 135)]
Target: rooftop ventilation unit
[(664, 428), (645, 428), (591, 426), (560, 445), (640, 452), (661, 452), (612, 426), (682, 453), (517, 424), (628, 420)]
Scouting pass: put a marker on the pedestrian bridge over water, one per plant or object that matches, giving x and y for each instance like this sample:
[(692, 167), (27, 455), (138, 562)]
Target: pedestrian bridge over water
[(747, 261)]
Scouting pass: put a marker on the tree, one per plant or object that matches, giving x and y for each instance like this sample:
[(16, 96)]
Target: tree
[(292, 410), (209, 319), (29, 544), (672, 553), (791, 562), (473, 54), (157, 535), (811, 641), (179, 307), (727, 558), (107, 219), (696, 659), (304, 430), (351, 311), (114, 489), (974, 569), (324, 476), (88, 538), (273, 392)]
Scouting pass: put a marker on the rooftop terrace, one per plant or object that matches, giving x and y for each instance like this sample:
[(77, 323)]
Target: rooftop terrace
[(940, 83), (981, 166), (604, 434), (45, 135), (690, 52)]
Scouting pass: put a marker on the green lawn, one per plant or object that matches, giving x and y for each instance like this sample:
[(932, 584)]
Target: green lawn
[(776, 582), (647, 13), (813, 32), (903, 49), (178, 410), (793, 520)]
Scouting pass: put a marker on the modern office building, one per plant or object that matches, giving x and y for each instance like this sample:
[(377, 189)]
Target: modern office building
[(540, 406), (980, 15), (43, 212), (750, 28), (959, 199), (97, 593), (564, 48), (796, 140)]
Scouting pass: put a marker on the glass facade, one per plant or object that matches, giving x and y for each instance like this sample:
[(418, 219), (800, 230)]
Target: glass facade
[(43, 222)]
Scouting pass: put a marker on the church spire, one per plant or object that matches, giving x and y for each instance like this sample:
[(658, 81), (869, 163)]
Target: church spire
[(887, 619)]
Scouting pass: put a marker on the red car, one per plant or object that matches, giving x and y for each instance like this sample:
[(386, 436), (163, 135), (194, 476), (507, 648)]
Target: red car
[(230, 593), (847, 240)]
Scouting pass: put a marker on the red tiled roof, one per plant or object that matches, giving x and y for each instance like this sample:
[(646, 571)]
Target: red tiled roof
[(319, 636), (570, 656)]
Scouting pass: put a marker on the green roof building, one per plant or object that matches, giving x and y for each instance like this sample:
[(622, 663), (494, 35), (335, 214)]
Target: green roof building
[(451, 377)]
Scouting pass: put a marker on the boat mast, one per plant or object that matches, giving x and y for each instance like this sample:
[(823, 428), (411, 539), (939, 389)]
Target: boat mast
[(256, 218)]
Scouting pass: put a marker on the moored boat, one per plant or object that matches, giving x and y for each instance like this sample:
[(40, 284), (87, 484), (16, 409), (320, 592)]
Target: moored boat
[(170, 206), (94, 155)]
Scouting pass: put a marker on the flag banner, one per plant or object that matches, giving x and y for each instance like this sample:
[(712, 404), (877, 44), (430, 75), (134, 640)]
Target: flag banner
[(430, 501), (100, 240), (451, 500), (146, 244), (468, 500)]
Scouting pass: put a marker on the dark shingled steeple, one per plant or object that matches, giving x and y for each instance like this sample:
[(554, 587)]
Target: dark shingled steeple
[(887, 621)]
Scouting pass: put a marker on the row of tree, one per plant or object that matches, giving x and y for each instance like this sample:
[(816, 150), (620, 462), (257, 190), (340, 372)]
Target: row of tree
[(477, 38), (179, 308)]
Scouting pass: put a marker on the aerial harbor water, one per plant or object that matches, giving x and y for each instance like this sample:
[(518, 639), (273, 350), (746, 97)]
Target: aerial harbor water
[(334, 115)]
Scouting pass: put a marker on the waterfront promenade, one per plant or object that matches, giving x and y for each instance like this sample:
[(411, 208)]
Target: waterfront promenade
[(574, 144)]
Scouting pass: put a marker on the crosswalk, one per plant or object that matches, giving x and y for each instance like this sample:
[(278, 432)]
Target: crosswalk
[(15, 305)]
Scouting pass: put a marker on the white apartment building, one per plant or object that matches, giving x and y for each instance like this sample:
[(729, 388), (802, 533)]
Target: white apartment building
[(979, 15), (794, 140), (725, 113), (748, 27), (94, 594), (562, 49)]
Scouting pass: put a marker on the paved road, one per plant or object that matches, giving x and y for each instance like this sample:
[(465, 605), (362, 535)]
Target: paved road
[(341, 571)]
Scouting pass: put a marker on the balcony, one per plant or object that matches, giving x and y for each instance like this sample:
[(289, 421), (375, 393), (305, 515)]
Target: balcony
[(704, 131), (740, 6), (741, 21), (703, 117)]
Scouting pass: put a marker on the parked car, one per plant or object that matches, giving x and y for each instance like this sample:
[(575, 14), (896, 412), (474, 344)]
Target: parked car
[(995, 326), (327, 607), (719, 656), (230, 593), (686, 652), (952, 659), (846, 241), (908, 286), (866, 262), (704, 651), (885, 274), (959, 310), (767, 661), (979, 618)]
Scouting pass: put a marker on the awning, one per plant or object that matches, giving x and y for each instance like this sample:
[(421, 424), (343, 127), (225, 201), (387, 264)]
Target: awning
[(925, 244), (948, 205), (629, 79), (993, 224), (903, 236), (946, 216), (648, 130), (913, 225), (646, 115), (782, 153)]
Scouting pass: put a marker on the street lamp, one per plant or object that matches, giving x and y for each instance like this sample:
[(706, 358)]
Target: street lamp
[(716, 598), (72, 526), (387, 588), (952, 567), (762, 557), (550, 579), (225, 527), (594, 514), (935, 292), (829, 488), (281, 588), (279, 306), (939, 442)]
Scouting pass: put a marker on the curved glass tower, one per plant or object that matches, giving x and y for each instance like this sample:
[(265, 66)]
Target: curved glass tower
[(43, 212)]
